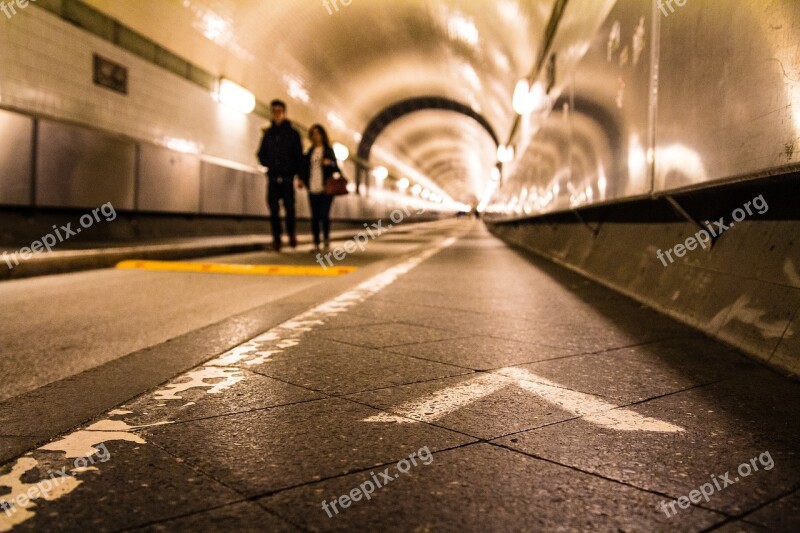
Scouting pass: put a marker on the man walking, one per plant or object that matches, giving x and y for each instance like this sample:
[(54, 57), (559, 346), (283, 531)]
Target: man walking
[(281, 152)]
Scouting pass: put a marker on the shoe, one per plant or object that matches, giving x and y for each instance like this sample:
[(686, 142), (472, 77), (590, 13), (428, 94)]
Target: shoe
[(316, 250), (293, 241), (327, 246), (276, 246)]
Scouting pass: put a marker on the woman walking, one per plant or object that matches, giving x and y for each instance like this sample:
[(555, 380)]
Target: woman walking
[(319, 166)]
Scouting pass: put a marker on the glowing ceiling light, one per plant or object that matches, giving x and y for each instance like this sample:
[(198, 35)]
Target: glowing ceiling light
[(521, 101), (341, 151), (235, 96), (403, 184), (505, 154), (334, 119), (529, 98), (380, 173), (462, 28), (602, 182), (296, 89), (495, 174), (426, 194), (416, 189)]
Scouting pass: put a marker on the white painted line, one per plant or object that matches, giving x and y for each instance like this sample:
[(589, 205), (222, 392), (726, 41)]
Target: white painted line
[(22, 493), (443, 402), (223, 373), (196, 379), (590, 408)]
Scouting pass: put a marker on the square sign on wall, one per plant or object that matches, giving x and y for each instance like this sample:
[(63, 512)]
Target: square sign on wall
[(110, 75)]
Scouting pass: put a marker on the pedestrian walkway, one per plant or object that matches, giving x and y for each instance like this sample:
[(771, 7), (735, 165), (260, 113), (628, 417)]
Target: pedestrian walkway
[(467, 387)]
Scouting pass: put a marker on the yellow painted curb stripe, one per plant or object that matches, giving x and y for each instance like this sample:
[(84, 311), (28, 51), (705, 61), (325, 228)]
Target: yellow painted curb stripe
[(220, 268)]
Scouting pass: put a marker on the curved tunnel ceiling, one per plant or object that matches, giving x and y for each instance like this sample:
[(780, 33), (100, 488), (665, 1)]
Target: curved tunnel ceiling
[(342, 68)]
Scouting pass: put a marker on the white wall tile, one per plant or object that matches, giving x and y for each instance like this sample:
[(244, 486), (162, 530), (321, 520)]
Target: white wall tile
[(47, 68)]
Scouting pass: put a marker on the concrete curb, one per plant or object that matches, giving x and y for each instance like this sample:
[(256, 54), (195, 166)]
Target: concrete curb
[(75, 261)]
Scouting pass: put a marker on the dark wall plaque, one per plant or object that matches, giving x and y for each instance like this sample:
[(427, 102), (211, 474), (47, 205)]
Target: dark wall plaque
[(110, 75)]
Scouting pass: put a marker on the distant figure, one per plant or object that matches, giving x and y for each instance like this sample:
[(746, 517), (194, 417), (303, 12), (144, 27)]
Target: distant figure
[(281, 152), (319, 166)]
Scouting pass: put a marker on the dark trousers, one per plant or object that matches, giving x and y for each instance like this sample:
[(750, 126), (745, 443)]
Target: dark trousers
[(320, 215), (281, 190)]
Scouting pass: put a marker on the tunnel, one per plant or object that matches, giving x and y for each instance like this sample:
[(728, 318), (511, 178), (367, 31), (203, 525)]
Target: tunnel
[(399, 265)]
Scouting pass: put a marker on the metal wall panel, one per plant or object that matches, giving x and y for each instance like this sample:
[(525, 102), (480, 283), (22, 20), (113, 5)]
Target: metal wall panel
[(255, 195), (727, 95), (168, 181), (729, 91), (16, 132), (592, 145), (222, 190), (611, 127), (82, 168)]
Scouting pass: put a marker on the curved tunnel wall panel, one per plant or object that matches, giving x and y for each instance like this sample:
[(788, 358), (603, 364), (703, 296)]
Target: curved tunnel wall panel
[(221, 190), (729, 91), (168, 181), (81, 167), (16, 132), (722, 106)]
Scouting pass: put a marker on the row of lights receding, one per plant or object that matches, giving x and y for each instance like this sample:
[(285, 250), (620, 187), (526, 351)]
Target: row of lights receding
[(381, 173), (528, 98)]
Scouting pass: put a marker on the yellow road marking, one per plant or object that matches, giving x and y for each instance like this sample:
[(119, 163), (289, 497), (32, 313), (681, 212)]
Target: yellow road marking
[(251, 270)]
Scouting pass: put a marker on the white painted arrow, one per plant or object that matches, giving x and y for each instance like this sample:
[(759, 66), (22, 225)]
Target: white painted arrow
[(590, 408)]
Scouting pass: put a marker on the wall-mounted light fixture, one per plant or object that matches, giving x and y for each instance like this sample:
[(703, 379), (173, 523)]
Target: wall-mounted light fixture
[(341, 151), (529, 98), (235, 96), (505, 154)]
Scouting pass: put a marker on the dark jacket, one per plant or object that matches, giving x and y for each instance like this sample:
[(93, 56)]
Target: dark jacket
[(281, 151), (328, 171)]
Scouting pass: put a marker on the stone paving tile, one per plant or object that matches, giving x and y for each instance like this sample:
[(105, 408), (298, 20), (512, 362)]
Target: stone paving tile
[(509, 409), (741, 526), (16, 446), (484, 488), (780, 515), (319, 348), (725, 425), (384, 335), (138, 485), (480, 352), (350, 319), (634, 374), (576, 339), (241, 517), (258, 392), (359, 370), (562, 336), (267, 450)]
